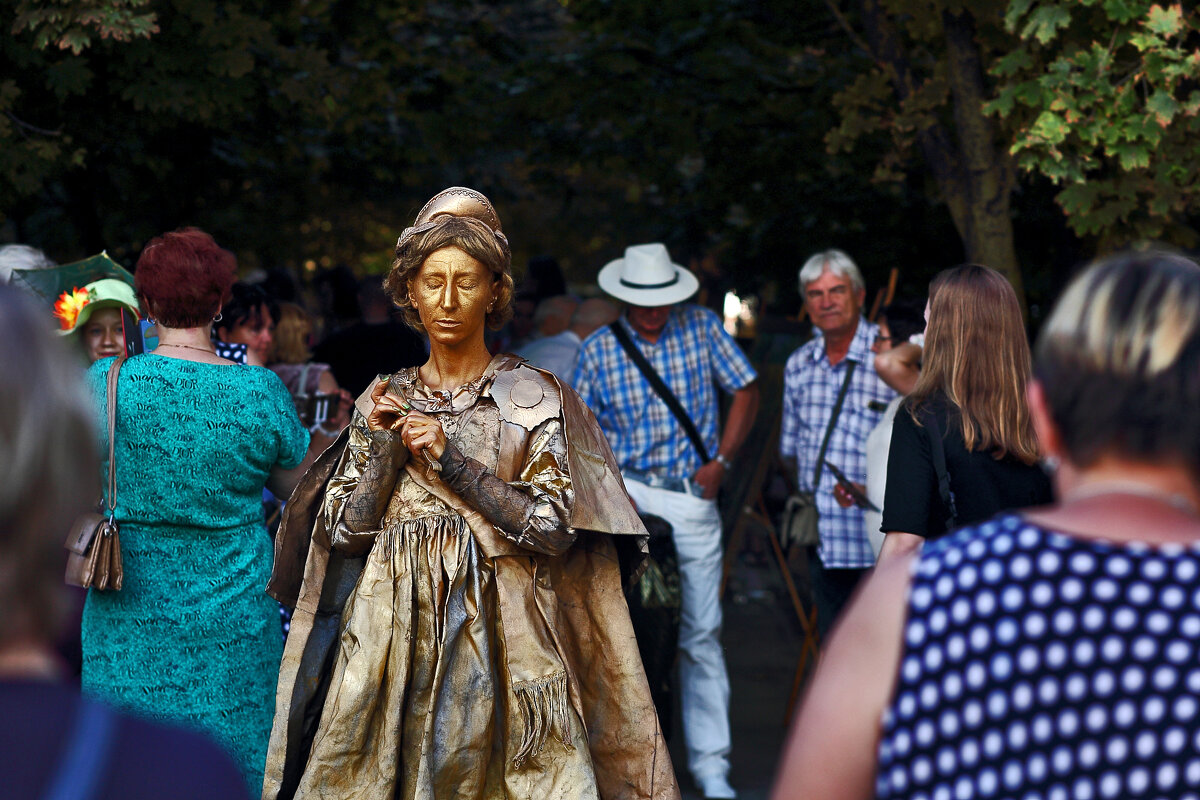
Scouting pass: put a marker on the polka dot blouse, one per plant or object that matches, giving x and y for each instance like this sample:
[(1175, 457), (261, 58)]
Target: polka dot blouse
[(1038, 665)]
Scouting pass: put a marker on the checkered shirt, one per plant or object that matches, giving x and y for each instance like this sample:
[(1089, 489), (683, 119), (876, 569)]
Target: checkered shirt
[(692, 352), (810, 389)]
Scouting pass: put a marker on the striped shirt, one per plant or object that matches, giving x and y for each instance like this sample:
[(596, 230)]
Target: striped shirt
[(810, 389), (692, 353)]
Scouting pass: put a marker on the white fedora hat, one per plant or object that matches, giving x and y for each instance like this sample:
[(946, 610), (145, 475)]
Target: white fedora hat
[(647, 277)]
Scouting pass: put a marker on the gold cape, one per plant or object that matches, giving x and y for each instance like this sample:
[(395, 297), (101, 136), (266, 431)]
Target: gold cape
[(558, 611)]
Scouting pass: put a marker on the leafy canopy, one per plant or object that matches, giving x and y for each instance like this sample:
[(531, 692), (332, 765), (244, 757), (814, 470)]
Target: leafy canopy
[(1103, 98), (73, 24)]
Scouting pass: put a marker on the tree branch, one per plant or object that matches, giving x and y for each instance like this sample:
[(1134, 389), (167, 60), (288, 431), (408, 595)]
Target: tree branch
[(28, 127), (853, 34), (935, 141)]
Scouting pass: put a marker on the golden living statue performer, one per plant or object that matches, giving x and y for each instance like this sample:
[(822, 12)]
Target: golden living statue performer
[(460, 630)]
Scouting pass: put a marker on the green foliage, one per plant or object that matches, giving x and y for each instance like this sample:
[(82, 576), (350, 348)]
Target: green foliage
[(304, 134), (1106, 103), (1045, 22), (226, 117), (699, 123), (74, 24)]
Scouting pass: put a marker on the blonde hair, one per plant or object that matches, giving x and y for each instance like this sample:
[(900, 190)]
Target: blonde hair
[(1119, 359), (290, 339), (977, 355)]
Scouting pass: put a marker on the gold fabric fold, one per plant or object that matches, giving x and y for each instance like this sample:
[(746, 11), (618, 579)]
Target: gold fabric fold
[(450, 661), (543, 707), (536, 670)]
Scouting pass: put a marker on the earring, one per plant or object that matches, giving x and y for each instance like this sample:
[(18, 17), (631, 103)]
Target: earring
[(491, 305), (218, 317), (1051, 464)]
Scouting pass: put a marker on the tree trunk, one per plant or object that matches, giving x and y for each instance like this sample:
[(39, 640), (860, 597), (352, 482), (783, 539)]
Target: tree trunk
[(987, 175), (970, 168)]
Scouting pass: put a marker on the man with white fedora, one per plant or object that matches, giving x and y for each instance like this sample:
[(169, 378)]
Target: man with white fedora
[(673, 459)]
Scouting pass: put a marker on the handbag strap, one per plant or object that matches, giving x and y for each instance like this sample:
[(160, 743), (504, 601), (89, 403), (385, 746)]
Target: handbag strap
[(663, 391), (837, 410), (113, 371), (937, 451), (81, 768), (302, 383)]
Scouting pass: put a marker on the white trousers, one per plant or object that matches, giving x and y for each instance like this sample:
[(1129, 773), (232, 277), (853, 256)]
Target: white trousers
[(703, 679)]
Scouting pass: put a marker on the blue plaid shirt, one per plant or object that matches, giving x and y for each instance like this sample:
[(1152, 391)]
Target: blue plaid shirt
[(810, 389), (692, 351)]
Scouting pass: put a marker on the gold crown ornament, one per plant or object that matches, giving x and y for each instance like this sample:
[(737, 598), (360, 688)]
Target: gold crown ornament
[(457, 201)]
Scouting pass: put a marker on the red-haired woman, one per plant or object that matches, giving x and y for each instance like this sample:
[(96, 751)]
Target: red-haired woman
[(191, 636)]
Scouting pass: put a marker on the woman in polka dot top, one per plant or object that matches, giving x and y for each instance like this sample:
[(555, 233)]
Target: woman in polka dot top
[(1054, 654)]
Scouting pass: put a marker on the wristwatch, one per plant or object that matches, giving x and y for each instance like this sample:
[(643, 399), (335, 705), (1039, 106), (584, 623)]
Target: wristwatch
[(723, 461)]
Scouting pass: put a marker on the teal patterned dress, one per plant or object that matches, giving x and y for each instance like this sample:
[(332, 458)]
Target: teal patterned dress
[(192, 637)]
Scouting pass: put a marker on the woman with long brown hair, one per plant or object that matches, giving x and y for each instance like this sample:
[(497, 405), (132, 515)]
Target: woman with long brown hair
[(963, 446)]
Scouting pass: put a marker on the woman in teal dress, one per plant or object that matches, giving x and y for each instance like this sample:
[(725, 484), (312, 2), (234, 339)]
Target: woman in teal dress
[(191, 636)]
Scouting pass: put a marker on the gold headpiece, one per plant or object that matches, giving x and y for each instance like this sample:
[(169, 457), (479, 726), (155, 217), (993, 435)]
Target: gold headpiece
[(457, 201)]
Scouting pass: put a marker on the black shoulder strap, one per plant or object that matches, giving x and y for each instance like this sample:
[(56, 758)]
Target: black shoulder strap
[(937, 450), (837, 410), (663, 391)]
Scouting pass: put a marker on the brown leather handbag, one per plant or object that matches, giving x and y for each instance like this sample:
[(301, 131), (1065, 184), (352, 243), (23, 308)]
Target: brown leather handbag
[(93, 545)]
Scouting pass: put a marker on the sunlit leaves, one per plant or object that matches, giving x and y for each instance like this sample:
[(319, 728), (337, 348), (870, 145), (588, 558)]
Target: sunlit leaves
[(1165, 22), (74, 24), (1108, 108), (1045, 21), (1163, 106)]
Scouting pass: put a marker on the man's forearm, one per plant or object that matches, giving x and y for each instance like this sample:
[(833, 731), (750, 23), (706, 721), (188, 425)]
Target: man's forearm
[(740, 421)]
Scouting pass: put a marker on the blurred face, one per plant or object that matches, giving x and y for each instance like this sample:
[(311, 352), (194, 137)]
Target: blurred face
[(834, 304), (452, 292), (101, 334), (649, 322), (521, 324), (255, 332)]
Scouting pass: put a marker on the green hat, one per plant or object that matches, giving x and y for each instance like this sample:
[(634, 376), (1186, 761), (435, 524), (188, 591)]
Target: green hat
[(74, 307)]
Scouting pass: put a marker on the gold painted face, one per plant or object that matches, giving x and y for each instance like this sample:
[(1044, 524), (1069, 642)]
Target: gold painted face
[(452, 292), (102, 335)]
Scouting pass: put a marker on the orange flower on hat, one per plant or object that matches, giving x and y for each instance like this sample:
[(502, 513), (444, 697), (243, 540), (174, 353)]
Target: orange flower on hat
[(68, 306)]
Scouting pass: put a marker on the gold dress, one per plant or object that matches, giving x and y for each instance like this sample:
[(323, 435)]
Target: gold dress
[(482, 648)]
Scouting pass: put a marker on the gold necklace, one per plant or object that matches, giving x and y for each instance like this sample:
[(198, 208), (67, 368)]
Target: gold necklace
[(188, 346)]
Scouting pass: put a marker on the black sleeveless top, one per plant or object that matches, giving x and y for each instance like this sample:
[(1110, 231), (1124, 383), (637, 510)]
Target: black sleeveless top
[(1039, 665), (981, 485)]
